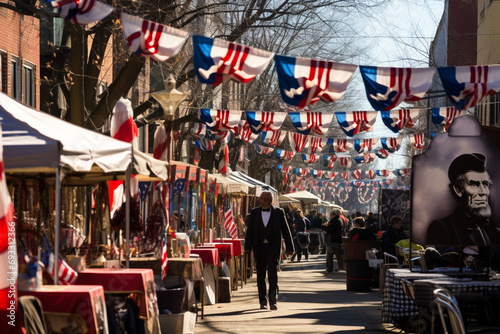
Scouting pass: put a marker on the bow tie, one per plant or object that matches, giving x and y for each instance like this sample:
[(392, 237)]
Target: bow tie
[(266, 210)]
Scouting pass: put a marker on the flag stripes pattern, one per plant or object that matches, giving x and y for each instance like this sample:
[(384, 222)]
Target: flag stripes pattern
[(66, 274), (164, 259), (229, 224)]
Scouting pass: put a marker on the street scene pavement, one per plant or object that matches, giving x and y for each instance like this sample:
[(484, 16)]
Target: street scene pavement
[(311, 300)]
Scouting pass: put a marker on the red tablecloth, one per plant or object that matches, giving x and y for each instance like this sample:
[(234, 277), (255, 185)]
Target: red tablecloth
[(208, 255), (236, 245), (139, 281), (87, 301), (226, 250)]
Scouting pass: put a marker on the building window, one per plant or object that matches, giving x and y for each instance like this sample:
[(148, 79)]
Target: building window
[(494, 110), (15, 78), (29, 84), (3, 72)]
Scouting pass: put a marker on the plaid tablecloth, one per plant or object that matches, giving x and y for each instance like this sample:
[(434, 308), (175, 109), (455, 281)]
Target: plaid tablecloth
[(395, 303)]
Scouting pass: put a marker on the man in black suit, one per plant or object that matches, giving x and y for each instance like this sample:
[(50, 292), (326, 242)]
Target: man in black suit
[(469, 224), (267, 225)]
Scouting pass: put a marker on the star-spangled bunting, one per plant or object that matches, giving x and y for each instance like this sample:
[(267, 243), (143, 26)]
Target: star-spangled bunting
[(311, 121), (264, 120), (245, 133), (467, 85), (391, 144), (387, 87), (355, 122), (396, 120), (444, 116), (316, 144), (82, 12), (151, 39), (304, 81), (217, 61), (418, 141)]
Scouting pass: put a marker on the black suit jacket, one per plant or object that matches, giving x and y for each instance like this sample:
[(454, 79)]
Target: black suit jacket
[(459, 229), (279, 226)]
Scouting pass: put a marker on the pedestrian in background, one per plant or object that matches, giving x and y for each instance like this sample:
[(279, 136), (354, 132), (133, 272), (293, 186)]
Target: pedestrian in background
[(333, 230)]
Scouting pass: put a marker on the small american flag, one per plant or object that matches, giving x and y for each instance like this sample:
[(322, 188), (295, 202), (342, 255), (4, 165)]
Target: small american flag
[(229, 224), (66, 274), (164, 259)]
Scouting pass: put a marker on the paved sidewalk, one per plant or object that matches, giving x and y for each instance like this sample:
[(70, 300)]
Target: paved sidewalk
[(310, 301)]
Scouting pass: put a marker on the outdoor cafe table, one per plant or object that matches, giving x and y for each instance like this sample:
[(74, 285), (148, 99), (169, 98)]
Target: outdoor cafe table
[(125, 281), (63, 303), (395, 303)]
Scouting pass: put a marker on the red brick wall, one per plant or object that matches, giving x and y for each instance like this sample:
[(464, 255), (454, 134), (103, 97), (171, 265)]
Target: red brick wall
[(20, 37)]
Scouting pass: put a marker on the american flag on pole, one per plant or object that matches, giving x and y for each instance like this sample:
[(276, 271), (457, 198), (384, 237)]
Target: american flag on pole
[(151, 39), (82, 12), (8, 269), (217, 61), (67, 275), (229, 224), (164, 259)]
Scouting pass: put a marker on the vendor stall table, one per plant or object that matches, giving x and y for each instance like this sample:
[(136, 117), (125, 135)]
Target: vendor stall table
[(240, 255), (130, 281), (211, 263), (191, 269), (83, 304), (395, 303), (226, 252)]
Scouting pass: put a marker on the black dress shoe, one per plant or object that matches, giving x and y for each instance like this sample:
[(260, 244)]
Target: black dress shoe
[(274, 307), (263, 307)]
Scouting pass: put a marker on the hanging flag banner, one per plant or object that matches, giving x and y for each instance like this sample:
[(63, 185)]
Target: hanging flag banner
[(387, 87), (245, 133), (297, 141), (273, 137), (465, 86), (217, 61), (264, 120), (391, 144), (396, 120), (315, 121), (304, 81), (315, 143), (218, 120), (444, 116), (355, 122), (150, 39), (82, 12)]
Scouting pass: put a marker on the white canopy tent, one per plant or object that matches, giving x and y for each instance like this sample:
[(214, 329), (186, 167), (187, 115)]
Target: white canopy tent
[(37, 143), (230, 186), (305, 196), (287, 199), (259, 186)]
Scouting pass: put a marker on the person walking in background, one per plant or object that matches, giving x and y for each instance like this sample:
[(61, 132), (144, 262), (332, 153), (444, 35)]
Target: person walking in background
[(371, 223), (333, 230), (393, 235), (300, 224), (266, 228)]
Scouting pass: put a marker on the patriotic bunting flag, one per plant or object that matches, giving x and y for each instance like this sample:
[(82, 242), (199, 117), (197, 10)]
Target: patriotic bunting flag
[(372, 174), (263, 150), (399, 119), (343, 145), (391, 144), (316, 144), (387, 87), (330, 160), (66, 274), (345, 175), (304, 81), (150, 39), (273, 137), (217, 61), (465, 86), (223, 159), (311, 158), (283, 154), (297, 141), (382, 172), (345, 162), (365, 145), (356, 174), (264, 120), (204, 144), (245, 133), (356, 121), (418, 141), (82, 12), (221, 120), (382, 153), (444, 116), (160, 144), (316, 121)]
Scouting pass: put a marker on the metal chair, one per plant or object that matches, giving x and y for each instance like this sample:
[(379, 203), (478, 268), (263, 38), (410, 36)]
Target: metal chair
[(452, 318)]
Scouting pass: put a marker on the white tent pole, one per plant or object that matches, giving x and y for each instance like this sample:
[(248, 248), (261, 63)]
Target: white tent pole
[(58, 225), (127, 214)]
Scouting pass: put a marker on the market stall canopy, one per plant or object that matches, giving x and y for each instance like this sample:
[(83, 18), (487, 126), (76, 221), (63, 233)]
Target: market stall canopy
[(305, 196), (260, 186), (331, 205), (35, 141), (286, 199), (229, 186)]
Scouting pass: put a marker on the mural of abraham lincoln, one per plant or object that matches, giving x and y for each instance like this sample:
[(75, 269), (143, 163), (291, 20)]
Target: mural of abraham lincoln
[(456, 189)]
